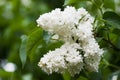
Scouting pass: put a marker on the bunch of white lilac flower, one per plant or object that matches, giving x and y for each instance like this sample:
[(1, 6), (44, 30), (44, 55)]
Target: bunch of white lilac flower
[(80, 49)]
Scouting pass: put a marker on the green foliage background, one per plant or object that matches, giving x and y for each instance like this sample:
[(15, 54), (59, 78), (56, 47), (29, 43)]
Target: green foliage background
[(23, 43)]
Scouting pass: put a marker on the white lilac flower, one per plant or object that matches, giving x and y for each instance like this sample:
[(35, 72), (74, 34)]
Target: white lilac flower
[(75, 29), (61, 59), (64, 23)]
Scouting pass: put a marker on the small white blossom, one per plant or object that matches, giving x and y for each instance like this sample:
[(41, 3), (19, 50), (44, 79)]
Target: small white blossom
[(74, 27)]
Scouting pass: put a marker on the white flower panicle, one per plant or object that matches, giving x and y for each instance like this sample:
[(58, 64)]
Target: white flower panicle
[(74, 27), (64, 23), (62, 59)]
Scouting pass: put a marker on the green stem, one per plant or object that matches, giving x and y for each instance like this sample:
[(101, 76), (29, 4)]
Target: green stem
[(100, 9), (111, 65), (114, 66)]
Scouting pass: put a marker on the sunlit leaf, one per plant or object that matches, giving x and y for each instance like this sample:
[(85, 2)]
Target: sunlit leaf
[(67, 2), (23, 55), (66, 76)]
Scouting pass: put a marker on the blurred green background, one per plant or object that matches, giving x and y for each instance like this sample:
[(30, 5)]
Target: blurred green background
[(18, 17)]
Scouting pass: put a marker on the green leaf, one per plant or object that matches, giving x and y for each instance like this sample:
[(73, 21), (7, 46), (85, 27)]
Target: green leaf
[(39, 43), (53, 45), (112, 19), (23, 55), (82, 78), (115, 39), (111, 4), (67, 2), (36, 52), (66, 76), (97, 2), (35, 39)]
